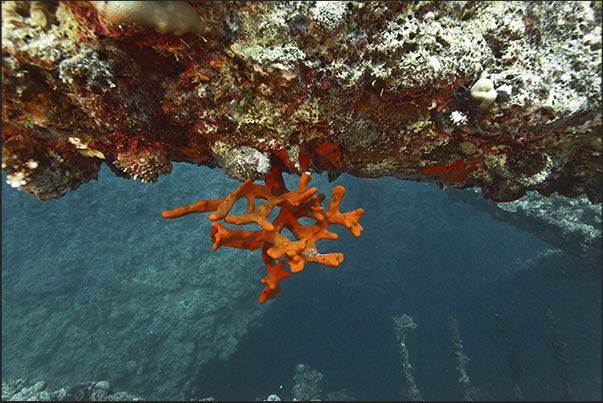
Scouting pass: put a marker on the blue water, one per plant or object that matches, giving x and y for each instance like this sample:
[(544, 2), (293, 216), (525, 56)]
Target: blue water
[(97, 285)]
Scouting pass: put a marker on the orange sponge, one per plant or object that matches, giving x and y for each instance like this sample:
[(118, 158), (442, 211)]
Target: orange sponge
[(293, 205)]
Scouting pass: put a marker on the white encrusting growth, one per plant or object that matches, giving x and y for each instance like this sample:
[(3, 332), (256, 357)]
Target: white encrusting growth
[(176, 17), (483, 90)]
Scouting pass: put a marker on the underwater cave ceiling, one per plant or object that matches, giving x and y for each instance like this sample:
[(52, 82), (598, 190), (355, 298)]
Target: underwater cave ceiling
[(504, 96)]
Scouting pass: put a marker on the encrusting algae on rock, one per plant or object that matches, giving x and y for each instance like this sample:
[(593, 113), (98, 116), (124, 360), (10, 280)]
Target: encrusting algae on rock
[(502, 96)]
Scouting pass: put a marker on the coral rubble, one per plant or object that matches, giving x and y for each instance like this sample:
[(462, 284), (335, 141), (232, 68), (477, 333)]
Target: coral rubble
[(92, 391), (306, 383), (402, 324)]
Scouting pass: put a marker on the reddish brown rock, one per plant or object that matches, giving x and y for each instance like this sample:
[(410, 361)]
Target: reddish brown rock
[(502, 96)]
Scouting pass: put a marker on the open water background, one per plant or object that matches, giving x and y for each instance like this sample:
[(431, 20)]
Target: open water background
[(79, 272)]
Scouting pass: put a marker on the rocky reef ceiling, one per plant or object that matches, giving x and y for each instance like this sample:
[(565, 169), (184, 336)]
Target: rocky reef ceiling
[(504, 96)]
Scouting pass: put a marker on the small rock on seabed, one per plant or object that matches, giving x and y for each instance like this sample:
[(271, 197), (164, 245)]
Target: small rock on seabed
[(22, 390)]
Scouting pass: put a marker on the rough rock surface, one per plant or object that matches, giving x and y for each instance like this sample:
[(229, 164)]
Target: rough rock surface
[(505, 96), (306, 383), (145, 307), (573, 225), (22, 390)]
